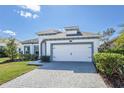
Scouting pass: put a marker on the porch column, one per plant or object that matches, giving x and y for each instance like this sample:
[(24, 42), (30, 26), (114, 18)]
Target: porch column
[(39, 49), (31, 49), (23, 49)]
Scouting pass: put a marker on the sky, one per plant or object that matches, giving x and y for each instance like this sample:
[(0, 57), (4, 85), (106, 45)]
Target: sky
[(23, 22)]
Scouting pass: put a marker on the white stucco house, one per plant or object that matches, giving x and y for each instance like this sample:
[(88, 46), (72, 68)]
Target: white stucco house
[(68, 45)]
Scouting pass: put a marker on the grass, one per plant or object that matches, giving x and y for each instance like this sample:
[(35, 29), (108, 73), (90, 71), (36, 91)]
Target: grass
[(3, 59), (9, 71)]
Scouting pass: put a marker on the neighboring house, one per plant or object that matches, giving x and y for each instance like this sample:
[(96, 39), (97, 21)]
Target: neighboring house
[(4, 41), (69, 45), (2, 45)]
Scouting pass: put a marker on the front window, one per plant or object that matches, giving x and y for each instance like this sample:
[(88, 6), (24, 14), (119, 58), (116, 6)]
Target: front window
[(36, 49), (26, 49)]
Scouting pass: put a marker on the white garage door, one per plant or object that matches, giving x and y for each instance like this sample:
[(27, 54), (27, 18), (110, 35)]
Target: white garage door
[(72, 52)]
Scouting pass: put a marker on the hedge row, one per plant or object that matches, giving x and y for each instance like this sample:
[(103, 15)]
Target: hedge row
[(27, 57), (109, 63), (115, 50)]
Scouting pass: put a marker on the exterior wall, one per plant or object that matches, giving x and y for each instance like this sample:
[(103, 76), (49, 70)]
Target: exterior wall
[(43, 49), (42, 46), (46, 48), (94, 41)]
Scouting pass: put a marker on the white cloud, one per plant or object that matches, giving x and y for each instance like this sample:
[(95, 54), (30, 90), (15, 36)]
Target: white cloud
[(34, 8), (35, 16), (24, 14), (9, 32), (27, 14)]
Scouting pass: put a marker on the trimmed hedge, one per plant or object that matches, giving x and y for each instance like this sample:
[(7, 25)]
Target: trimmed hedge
[(45, 58), (115, 50), (28, 57), (109, 63), (3, 54)]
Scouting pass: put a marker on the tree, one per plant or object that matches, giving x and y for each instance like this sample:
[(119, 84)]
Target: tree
[(106, 35), (11, 49), (120, 41), (122, 28)]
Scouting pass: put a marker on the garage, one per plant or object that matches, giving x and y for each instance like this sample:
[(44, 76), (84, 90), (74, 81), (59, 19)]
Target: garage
[(72, 52)]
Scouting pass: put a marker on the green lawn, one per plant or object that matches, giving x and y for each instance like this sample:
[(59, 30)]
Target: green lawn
[(3, 59), (12, 70)]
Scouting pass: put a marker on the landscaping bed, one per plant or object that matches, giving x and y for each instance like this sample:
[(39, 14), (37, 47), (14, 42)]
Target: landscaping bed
[(9, 71), (111, 68)]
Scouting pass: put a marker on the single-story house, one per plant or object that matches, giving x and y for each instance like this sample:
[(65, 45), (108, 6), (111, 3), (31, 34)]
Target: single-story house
[(68, 45), (3, 42)]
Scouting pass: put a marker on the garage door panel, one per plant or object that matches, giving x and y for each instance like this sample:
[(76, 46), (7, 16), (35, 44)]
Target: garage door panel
[(72, 52), (60, 53)]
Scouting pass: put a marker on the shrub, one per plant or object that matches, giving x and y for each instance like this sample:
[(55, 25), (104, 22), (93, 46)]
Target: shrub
[(3, 54), (34, 57), (115, 50), (28, 57), (45, 58), (109, 63)]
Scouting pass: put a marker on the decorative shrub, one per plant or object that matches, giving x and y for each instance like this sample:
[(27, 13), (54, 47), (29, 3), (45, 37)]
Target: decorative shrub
[(28, 57), (34, 57), (45, 58), (109, 63), (116, 50), (2, 52)]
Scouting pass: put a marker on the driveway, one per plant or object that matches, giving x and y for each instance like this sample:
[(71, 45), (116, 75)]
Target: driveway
[(59, 75)]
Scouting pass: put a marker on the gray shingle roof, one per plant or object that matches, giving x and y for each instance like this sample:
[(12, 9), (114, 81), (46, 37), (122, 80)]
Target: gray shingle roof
[(63, 35), (48, 32), (56, 34), (31, 41)]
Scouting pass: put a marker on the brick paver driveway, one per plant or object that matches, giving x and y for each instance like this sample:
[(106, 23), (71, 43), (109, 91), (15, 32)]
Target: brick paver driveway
[(59, 74)]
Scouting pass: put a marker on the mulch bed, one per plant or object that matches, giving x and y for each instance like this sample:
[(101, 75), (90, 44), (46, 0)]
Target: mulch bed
[(114, 81)]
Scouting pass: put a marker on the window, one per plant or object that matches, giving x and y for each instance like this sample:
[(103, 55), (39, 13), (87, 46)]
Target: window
[(26, 49), (19, 50), (36, 49)]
